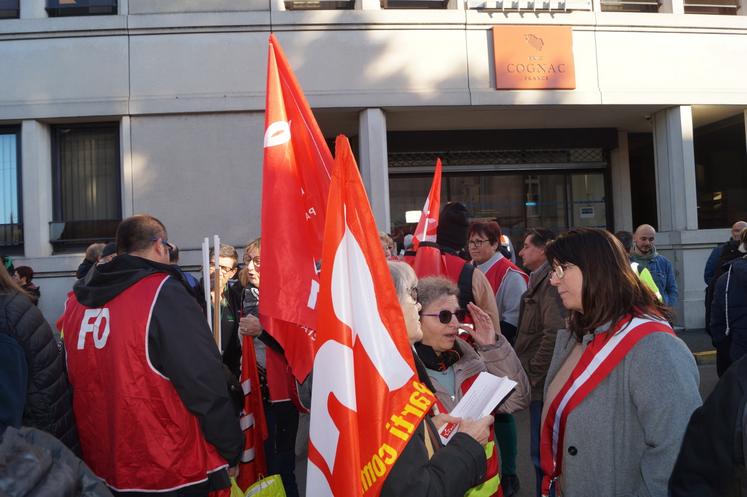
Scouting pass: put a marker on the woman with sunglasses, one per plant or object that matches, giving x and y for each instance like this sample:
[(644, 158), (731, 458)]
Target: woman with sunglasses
[(425, 468), (453, 363), (621, 386)]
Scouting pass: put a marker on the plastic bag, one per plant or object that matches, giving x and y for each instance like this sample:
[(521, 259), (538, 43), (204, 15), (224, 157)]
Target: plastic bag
[(235, 490), (271, 486)]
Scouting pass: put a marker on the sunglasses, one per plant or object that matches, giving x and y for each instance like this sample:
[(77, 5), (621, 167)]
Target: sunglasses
[(445, 316)]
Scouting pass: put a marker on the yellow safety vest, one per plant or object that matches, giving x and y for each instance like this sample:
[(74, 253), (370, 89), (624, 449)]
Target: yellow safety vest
[(645, 276)]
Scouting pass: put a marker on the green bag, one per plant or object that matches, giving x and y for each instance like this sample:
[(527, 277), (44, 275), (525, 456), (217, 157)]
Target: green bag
[(271, 486)]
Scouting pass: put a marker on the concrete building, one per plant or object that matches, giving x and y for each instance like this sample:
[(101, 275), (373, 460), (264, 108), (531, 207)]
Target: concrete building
[(157, 106)]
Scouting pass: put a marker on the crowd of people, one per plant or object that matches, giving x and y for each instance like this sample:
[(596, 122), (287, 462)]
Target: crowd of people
[(582, 322)]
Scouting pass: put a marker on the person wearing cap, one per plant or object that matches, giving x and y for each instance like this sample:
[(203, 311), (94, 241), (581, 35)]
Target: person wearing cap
[(451, 240)]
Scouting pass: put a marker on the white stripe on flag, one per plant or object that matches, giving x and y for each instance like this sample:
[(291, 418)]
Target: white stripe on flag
[(246, 386), (246, 422), (247, 455)]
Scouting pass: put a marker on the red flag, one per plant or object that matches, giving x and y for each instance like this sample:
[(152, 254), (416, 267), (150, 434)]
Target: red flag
[(295, 182), (252, 419), (428, 224), (366, 398)]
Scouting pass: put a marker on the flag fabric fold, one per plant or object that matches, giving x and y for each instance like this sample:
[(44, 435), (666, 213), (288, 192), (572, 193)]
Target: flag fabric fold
[(295, 183), (366, 397)]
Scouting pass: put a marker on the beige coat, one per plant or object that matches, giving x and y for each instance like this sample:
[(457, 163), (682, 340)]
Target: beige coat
[(541, 316), (500, 360)]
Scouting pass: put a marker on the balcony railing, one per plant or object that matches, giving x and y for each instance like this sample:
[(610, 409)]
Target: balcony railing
[(721, 7), (530, 5), (11, 235)]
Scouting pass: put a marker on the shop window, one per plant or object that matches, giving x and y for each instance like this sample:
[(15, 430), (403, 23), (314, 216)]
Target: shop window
[(642, 178), (630, 5), (319, 4), (61, 8), (11, 216), (721, 173), (722, 7), (9, 9), (87, 193)]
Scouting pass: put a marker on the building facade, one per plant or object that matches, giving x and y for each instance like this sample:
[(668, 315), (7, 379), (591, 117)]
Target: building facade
[(110, 108)]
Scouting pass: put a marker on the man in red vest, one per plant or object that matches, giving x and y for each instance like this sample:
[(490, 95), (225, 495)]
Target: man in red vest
[(149, 391)]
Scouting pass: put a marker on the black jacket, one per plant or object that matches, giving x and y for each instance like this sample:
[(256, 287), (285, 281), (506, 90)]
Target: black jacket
[(711, 462), (48, 403), (180, 345), (36, 464), (453, 469)]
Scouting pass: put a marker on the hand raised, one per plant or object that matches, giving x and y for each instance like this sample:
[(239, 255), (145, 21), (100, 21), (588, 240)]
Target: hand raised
[(483, 332)]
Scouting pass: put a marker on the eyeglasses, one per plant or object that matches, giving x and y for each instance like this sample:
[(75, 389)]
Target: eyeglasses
[(476, 243), (165, 243), (254, 260), (445, 316), (559, 271), (227, 269)]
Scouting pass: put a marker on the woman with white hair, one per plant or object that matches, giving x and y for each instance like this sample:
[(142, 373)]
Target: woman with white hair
[(425, 468)]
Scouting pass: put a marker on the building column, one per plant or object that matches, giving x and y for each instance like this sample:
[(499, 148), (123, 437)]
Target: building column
[(36, 170), (125, 159), (622, 206), (677, 202), (677, 207), (374, 166), (32, 9)]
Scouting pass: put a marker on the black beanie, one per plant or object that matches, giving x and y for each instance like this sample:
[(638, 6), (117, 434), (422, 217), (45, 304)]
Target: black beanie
[(453, 226)]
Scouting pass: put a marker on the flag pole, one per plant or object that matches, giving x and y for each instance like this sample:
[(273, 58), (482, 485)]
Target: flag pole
[(206, 280), (217, 292)]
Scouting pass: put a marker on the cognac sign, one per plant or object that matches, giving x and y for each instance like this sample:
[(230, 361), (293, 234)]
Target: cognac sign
[(533, 58)]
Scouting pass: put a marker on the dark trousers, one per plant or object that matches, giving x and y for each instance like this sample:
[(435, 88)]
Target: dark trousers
[(535, 418), (280, 447)]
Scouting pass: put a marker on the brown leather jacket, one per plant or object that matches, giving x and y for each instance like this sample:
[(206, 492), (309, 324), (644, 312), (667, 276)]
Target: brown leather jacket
[(541, 316)]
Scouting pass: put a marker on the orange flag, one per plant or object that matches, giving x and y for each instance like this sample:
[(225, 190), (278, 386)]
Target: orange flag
[(295, 182), (428, 224), (366, 398)]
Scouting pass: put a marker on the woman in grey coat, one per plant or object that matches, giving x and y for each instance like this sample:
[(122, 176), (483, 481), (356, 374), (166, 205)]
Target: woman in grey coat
[(621, 386)]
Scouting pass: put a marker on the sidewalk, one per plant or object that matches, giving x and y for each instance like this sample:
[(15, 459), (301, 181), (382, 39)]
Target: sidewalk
[(700, 344)]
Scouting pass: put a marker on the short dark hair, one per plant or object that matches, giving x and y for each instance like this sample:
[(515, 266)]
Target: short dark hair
[(611, 288), (540, 236), (25, 272), (138, 233), (226, 251), (490, 230), (626, 238)]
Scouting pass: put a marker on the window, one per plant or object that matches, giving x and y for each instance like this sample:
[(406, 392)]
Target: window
[(414, 4), (8, 9), (60, 8), (630, 5), (319, 4), (11, 218), (86, 175), (723, 7), (721, 173)]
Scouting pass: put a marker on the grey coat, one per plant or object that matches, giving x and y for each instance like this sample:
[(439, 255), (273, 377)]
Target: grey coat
[(623, 439)]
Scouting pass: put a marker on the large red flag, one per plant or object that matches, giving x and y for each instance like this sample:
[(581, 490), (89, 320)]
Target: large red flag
[(295, 182), (428, 224), (366, 398)]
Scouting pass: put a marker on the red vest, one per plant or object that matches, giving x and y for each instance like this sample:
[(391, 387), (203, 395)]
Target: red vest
[(134, 429), (498, 271)]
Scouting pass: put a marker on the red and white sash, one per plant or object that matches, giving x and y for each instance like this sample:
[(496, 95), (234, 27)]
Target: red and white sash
[(601, 356)]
